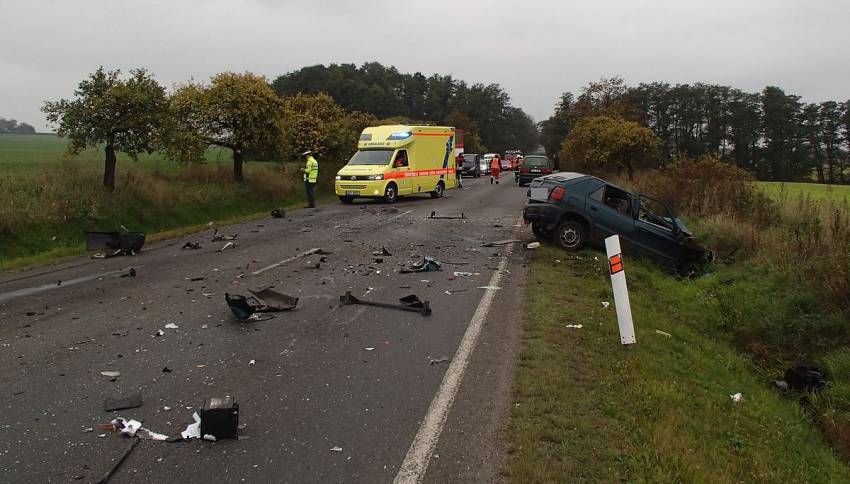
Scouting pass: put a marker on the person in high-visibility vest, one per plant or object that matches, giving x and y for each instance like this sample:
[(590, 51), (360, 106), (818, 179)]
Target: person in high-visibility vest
[(311, 176), (495, 169)]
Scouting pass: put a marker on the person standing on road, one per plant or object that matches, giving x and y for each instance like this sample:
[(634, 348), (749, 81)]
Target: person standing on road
[(311, 176), (459, 169), (495, 169)]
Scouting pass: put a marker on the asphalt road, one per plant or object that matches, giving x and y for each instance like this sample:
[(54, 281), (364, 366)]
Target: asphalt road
[(322, 377)]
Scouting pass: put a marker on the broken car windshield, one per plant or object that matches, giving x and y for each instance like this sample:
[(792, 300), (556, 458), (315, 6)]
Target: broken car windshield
[(371, 157)]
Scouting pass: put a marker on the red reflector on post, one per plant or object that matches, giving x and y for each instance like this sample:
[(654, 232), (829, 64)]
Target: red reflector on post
[(616, 263), (557, 194)]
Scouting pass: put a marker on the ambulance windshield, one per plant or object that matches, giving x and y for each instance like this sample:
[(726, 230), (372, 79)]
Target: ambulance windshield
[(371, 157)]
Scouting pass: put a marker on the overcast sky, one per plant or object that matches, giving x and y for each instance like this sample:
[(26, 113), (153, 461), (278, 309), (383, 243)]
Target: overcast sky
[(534, 49)]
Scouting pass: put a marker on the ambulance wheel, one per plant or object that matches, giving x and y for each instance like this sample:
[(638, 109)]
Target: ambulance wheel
[(346, 200), (570, 236), (438, 192), (391, 193)]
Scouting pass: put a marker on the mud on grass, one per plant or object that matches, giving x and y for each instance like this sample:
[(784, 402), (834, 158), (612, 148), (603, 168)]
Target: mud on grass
[(587, 409)]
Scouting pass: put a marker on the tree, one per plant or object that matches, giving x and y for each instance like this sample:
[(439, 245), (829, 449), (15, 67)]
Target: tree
[(606, 143), (11, 126), (123, 115), (237, 112)]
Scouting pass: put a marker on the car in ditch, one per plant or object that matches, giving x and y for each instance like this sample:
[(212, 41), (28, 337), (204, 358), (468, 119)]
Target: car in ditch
[(533, 166), (575, 210)]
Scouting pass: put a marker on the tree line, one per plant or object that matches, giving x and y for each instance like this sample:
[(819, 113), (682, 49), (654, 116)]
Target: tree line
[(484, 111), (771, 134), (12, 126), (258, 120)]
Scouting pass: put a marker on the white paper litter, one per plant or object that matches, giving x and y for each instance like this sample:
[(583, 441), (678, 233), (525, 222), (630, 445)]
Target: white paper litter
[(605, 304), (193, 431), (336, 449), (370, 349), (209, 437), (171, 326), (252, 362), (736, 397), (111, 374), (576, 326), (533, 245)]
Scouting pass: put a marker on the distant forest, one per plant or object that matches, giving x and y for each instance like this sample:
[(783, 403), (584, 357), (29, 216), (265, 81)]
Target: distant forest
[(11, 126), (484, 111), (771, 134)]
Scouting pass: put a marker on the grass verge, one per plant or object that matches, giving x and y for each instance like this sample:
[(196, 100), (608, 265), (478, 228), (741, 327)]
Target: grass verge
[(586, 409)]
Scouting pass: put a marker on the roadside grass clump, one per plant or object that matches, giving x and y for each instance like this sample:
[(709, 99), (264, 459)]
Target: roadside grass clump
[(587, 409), (45, 209)]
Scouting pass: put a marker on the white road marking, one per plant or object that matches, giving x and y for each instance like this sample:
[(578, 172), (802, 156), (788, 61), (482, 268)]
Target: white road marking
[(394, 217), (285, 261), (416, 461)]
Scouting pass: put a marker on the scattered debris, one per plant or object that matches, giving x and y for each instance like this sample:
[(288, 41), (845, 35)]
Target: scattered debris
[(447, 217), (278, 213), (663, 333), (495, 288), (805, 378), (193, 431), (166, 369), (221, 238), (736, 397), (437, 361), (111, 374), (605, 304), (220, 418), (121, 460), (382, 252), (122, 403), (409, 303), (115, 243), (533, 245), (171, 326), (336, 449), (427, 264), (189, 245), (576, 326), (497, 243), (226, 246), (264, 300), (462, 274), (371, 348), (130, 273), (252, 362), (322, 252)]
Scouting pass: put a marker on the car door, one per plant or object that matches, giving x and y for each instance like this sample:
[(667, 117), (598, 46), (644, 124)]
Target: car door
[(401, 173), (656, 235), (608, 221)]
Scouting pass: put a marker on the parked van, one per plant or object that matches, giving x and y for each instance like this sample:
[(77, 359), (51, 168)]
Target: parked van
[(398, 160)]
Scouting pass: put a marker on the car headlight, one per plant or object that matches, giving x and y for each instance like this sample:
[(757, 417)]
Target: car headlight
[(376, 177), (337, 177)]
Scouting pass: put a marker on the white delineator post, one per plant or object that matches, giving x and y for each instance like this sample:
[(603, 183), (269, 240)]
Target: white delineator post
[(621, 291)]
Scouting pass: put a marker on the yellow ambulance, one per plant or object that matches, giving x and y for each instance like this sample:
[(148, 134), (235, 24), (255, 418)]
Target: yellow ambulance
[(398, 160)]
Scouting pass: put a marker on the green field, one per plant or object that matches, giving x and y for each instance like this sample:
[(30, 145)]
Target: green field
[(816, 191), (48, 199)]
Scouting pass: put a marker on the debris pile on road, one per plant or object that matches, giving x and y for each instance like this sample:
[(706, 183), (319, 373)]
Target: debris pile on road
[(110, 244), (265, 300), (434, 215), (427, 264), (189, 245), (222, 238)]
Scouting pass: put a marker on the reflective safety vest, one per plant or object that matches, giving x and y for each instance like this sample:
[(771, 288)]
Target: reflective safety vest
[(311, 170)]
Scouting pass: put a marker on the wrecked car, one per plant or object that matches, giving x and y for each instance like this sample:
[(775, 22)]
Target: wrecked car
[(575, 210)]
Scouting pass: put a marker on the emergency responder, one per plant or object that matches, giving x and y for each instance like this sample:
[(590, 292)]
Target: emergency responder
[(311, 176), (459, 169), (495, 168)]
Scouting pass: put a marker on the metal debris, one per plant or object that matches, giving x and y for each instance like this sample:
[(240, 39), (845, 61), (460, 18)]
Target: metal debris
[(189, 245), (265, 300), (427, 264), (434, 215), (409, 303)]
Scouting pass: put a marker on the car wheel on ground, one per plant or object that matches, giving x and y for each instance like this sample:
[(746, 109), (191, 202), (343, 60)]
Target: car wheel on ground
[(438, 191), (391, 193), (540, 232), (570, 235)]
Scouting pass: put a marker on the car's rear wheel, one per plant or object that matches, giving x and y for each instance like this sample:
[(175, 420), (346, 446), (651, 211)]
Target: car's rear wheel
[(391, 193), (346, 200), (540, 232), (438, 191), (570, 235)]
